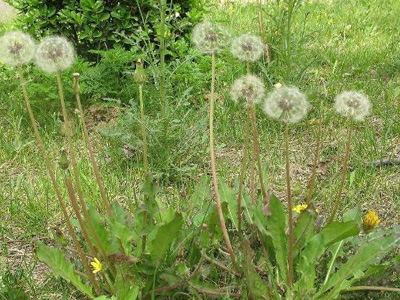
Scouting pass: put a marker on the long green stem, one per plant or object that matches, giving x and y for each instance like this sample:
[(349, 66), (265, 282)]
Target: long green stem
[(162, 58), (315, 162), (213, 167), (89, 146), (96, 171), (51, 173), (75, 171), (253, 173), (67, 126), (78, 215), (145, 157), (333, 260), (261, 20), (144, 136), (290, 209), (344, 174), (243, 169), (253, 155), (372, 288), (256, 144)]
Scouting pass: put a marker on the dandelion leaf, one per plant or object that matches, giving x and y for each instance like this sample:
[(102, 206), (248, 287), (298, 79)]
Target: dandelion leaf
[(316, 247), (165, 235), (55, 259)]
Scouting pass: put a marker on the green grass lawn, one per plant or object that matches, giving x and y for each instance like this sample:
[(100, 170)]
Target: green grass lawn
[(336, 45)]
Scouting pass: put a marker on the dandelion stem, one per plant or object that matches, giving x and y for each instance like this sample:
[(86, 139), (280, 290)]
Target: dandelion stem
[(257, 150), (252, 173), (89, 146), (333, 260), (75, 171), (96, 173), (253, 154), (143, 128), (290, 209), (372, 288), (213, 167), (51, 173), (162, 59), (315, 162), (145, 157), (344, 174), (243, 169), (75, 207)]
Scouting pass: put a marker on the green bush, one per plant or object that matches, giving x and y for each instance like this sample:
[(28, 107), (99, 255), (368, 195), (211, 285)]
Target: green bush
[(102, 24)]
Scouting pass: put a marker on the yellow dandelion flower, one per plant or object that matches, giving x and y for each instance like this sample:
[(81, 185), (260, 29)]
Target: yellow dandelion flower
[(370, 221), (299, 208), (97, 266)]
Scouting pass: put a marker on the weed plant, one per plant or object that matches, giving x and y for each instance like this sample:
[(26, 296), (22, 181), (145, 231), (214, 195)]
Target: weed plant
[(274, 248)]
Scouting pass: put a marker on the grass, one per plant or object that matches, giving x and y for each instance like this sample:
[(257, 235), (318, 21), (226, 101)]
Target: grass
[(338, 45)]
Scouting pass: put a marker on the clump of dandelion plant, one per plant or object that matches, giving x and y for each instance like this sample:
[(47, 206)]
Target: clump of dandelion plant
[(289, 106), (249, 48), (54, 55), (211, 38), (249, 89), (17, 49), (354, 106)]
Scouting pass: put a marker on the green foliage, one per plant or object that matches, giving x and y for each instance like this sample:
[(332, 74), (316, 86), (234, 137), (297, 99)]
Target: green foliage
[(11, 287), (329, 258), (100, 25), (371, 251), (61, 267), (165, 235)]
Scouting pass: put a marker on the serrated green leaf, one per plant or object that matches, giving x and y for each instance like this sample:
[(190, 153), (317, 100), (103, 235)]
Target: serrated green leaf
[(256, 287), (303, 230), (354, 214), (164, 237), (275, 228), (99, 224), (124, 289), (370, 252), (318, 244), (228, 196), (55, 259)]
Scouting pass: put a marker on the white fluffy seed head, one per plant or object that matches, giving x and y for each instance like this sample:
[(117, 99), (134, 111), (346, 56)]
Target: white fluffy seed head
[(247, 47), (210, 38), (249, 88), (16, 48), (55, 54), (286, 104), (353, 105)]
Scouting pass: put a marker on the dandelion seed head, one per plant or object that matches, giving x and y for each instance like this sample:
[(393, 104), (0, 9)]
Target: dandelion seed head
[(247, 47), (55, 54), (249, 88), (16, 48), (353, 105), (286, 104), (210, 38)]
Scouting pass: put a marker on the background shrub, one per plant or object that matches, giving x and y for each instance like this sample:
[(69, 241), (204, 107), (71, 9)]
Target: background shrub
[(102, 24)]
